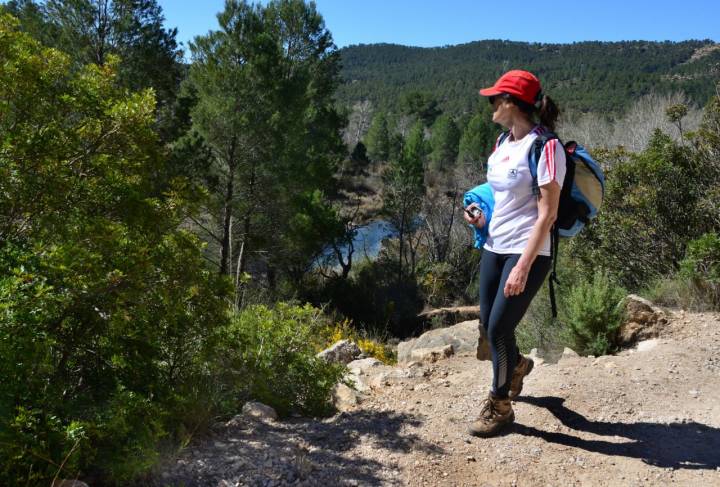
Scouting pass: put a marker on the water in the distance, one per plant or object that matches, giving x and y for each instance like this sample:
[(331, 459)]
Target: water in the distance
[(367, 241)]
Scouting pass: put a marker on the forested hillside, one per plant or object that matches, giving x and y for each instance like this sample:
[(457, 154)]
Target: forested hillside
[(586, 76)]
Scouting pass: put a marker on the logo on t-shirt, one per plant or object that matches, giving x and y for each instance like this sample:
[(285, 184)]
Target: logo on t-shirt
[(512, 174)]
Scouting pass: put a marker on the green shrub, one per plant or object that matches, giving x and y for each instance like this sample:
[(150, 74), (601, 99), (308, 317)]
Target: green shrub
[(675, 291), (592, 314), (701, 266), (697, 285), (271, 352), (107, 310), (537, 328)]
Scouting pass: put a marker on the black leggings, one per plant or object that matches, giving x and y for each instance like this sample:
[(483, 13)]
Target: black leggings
[(500, 315)]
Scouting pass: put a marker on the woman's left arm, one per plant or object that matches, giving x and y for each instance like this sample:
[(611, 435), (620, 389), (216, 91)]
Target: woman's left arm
[(547, 213)]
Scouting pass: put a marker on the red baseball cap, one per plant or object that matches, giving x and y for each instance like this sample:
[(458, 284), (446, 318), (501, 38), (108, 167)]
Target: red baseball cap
[(518, 83)]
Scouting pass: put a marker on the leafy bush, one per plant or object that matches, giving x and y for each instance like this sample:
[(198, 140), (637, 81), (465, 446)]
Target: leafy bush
[(373, 297), (592, 314), (271, 352), (702, 267), (537, 328), (697, 285), (675, 291), (106, 308)]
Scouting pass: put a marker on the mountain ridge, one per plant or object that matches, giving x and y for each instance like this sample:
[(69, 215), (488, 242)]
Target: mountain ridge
[(586, 76)]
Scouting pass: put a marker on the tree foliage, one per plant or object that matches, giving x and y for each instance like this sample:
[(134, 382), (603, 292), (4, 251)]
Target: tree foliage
[(602, 77), (107, 308), (89, 31), (264, 84), (444, 141), (478, 139), (403, 193), (377, 139)]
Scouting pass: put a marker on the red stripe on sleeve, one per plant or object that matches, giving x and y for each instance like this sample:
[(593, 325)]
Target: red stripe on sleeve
[(549, 157)]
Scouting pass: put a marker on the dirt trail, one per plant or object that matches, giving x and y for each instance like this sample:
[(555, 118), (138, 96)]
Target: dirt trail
[(647, 416)]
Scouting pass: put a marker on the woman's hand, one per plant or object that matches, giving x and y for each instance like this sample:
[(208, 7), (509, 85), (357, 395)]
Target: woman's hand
[(547, 213), (516, 281), (478, 221)]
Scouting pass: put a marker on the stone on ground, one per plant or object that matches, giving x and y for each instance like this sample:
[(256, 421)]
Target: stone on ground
[(464, 337), (643, 321), (343, 352), (259, 411)]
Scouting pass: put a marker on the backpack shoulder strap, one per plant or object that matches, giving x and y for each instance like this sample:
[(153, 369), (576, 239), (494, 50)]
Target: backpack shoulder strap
[(535, 153), (502, 138), (533, 159)]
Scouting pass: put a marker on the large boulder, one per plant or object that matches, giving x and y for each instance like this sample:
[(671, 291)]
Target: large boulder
[(343, 352), (260, 411), (449, 316), (467, 336), (643, 321)]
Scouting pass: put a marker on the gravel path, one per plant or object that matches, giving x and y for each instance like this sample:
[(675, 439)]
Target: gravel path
[(647, 416)]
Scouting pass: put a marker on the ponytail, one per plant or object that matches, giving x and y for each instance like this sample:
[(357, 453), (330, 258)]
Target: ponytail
[(548, 112)]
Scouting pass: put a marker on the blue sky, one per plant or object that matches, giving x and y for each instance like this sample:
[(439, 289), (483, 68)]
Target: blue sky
[(446, 22)]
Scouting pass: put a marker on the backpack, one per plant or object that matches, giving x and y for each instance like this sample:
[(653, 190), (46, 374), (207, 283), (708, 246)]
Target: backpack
[(580, 198)]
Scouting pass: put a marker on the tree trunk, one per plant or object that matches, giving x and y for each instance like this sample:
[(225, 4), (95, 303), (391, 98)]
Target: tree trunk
[(401, 240), (238, 291), (225, 254)]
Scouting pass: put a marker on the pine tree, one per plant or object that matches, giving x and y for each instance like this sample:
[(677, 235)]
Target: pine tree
[(444, 142), (477, 139), (377, 139)]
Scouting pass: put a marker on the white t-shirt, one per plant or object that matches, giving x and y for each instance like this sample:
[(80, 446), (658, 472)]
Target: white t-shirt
[(516, 208)]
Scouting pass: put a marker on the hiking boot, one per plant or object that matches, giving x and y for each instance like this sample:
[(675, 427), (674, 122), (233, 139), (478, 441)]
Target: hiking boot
[(495, 413), (523, 368)]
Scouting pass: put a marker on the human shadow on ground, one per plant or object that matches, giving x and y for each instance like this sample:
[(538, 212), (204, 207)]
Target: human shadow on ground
[(688, 445), (320, 455), (383, 429)]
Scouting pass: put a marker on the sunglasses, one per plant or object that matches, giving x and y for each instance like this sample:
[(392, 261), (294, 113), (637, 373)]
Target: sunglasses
[(492, 99)]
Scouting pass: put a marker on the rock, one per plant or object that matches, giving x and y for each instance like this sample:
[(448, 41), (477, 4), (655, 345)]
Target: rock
[(379, 381), (364, 373), (69, 483), (357, 381), (259, 411), (432, 354), (449, 316), (643, 320), (364, 366), (467, 336), (646, 345), (569, 353), (345, 398), (238, 421), (535, 357), (344, 352)]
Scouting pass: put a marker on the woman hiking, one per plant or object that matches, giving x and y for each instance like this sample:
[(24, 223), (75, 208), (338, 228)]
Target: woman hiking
[(516, 256)]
